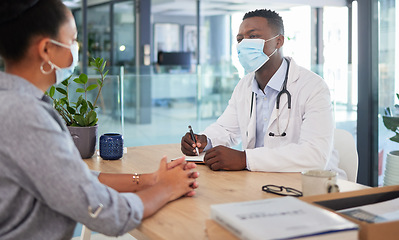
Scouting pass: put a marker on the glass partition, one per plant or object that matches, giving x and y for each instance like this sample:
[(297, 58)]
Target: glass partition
[(176, 102), (388, 78), (109, 105)]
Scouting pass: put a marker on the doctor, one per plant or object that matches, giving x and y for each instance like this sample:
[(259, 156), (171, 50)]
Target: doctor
[(280, 111)]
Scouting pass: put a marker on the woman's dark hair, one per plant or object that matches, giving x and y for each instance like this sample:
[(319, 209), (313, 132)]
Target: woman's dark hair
[(274, 20), (22, 20)]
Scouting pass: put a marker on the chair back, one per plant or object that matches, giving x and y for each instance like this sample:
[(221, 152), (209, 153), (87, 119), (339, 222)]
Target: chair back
[(344, 143)]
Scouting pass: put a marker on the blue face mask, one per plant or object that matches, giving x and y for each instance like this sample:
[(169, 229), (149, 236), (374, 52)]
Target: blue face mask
[(251, 55)]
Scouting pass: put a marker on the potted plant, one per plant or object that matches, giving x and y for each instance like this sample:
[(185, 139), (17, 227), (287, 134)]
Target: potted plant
[(80, 116), (391, 122)]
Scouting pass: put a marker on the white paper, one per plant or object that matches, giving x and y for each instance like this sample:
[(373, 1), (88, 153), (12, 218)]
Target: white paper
[(197, 159)]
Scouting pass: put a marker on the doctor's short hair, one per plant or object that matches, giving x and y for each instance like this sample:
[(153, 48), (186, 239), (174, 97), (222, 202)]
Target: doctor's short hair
[(22, 20), (274, 20)]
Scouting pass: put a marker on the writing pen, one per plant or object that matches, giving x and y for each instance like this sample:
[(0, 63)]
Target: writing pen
[(193, 138)]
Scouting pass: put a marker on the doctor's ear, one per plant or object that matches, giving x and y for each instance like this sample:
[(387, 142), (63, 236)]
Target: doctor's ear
[(280, 41)]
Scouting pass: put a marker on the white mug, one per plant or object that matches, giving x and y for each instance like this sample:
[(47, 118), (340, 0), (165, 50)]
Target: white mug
[(316, 182)]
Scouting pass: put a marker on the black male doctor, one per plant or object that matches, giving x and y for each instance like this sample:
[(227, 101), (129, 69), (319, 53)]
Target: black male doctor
[(280, 111)]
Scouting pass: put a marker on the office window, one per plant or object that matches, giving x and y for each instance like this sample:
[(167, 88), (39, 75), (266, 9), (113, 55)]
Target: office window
[(99, 31), (124, 34), (388, 77)]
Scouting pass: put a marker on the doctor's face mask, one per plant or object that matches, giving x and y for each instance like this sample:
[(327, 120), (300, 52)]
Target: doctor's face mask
[(251, 55)]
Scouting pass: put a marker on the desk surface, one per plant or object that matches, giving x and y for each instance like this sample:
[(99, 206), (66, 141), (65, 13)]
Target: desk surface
[(186, 217)]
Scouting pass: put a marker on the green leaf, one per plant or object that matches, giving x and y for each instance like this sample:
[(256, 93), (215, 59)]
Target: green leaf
[(94, 123), (79, 102), (106, 72), (397, 95), (78, 80), (105, 63), (83, 108), (66, 81), (91, 117), (61, 90), (99, 82), (90, 105), (71, 110), (91, 87), (62, 101), (80, 120), (391, 123), (81, 90), (52, 91), (395, 138), (83, 77)]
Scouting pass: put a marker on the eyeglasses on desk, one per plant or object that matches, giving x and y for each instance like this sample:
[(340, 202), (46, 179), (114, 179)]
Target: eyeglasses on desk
[(282, 191)]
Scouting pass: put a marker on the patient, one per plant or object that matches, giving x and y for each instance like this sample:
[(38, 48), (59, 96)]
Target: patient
[(43, 181)]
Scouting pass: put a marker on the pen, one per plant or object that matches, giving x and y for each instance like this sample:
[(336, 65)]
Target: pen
[(193, 138)]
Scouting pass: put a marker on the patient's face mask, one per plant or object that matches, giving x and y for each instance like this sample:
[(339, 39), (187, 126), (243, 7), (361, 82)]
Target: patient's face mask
[(251, 55), (63, 73)]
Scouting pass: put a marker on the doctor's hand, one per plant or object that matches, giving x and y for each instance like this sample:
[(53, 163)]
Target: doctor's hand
[(188, 145), (224, 158)]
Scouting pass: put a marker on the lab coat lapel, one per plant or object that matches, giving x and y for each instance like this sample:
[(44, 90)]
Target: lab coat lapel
[(251, 138), (251, 129)]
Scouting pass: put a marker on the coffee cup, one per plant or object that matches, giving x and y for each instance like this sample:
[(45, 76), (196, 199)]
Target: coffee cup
[(316, 182)]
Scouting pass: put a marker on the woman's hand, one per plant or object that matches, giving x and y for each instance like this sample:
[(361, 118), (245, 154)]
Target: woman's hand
[(187, 165), (124, 183), (176, 173), (173, 181)]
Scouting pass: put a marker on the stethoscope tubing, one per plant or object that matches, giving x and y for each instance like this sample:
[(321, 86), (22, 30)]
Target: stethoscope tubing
[(282, 91)]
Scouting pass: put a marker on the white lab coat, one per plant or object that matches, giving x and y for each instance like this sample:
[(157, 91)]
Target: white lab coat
[(309, 140)]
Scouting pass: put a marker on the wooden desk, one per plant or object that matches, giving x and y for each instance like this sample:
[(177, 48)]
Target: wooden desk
[(185, 218)]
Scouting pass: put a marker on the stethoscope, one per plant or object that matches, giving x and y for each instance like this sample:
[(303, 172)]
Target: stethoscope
[(282, 91)]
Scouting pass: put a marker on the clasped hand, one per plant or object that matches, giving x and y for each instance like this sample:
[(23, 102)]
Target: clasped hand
[(173, 167)]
